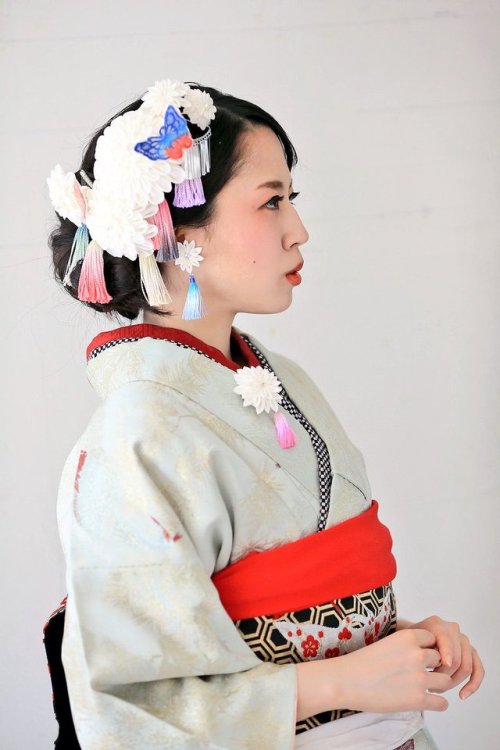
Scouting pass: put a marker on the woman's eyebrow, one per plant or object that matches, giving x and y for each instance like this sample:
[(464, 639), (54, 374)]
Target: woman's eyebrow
[(274, 184)]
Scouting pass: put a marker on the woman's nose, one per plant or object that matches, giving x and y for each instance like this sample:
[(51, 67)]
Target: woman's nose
[(305, 235), (296, 233)]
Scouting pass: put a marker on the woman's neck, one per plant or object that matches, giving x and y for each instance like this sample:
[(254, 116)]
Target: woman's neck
[(214, 332)]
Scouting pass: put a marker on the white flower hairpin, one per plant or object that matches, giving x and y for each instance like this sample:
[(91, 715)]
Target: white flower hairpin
[(261, 389), (199, 107)]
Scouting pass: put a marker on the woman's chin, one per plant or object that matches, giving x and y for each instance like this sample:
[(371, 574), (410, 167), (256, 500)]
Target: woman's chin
[(273, 302)]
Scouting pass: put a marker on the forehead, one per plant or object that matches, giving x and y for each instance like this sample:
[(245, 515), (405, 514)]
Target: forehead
[(263, 157)]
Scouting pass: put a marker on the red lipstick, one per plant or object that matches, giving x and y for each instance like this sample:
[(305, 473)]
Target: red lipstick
[(294, 276)]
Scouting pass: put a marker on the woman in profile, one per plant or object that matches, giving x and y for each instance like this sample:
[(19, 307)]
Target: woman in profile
[(229, 582)]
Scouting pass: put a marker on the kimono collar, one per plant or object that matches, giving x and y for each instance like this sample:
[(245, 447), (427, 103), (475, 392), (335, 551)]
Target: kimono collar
[(143, 330)]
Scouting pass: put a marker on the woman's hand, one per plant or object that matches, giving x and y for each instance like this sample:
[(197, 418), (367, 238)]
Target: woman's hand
[(391, 674), (459, 658)]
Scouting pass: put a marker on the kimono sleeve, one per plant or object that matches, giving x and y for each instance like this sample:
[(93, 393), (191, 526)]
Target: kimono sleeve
[(151, 657)]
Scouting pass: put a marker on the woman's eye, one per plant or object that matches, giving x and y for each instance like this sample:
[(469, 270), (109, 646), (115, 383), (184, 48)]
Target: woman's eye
[(275, 200)]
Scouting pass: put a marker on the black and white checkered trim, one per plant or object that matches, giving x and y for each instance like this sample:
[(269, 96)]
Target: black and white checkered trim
[(324, 467), (323, 457), (103, 347), (109, 345)]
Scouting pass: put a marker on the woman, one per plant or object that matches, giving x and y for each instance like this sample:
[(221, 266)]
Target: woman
[(229, 581)]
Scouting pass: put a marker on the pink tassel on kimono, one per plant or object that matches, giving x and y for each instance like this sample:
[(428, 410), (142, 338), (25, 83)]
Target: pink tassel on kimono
[(283, 431)]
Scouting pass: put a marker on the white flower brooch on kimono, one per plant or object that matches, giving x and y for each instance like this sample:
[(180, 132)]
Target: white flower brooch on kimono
[(260, 388)]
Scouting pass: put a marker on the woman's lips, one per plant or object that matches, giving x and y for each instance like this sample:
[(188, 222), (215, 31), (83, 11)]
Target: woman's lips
[(294, 276)]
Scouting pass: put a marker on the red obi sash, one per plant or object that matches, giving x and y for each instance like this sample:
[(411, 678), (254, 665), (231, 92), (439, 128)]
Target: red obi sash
[(346, 559)]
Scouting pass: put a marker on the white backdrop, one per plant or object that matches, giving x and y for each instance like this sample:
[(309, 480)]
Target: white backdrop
[(394, 107)]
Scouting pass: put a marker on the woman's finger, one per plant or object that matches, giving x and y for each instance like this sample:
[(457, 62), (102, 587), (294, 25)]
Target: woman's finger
[(465, 666), (434, 703), (476, 678), (432, 658), (448, 642), (438, 683)]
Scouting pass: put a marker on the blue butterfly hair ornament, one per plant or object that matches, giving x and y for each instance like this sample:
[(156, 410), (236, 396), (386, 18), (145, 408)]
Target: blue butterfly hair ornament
[(174, 141)]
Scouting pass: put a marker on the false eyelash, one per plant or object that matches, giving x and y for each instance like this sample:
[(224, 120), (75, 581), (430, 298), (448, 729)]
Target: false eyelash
[(279, 198)]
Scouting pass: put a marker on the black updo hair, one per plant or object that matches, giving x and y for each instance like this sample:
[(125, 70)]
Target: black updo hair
[(233, 118)]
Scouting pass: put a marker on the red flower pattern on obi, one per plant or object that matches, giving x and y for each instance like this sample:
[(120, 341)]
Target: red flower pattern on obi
[(369, 638), (345, 634), (330, 652), (310, 646)]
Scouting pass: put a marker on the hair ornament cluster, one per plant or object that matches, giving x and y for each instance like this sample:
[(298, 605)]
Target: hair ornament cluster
[(139, 157)]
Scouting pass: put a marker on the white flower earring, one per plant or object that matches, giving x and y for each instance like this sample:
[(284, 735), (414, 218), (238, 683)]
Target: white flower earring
[(189, 256)]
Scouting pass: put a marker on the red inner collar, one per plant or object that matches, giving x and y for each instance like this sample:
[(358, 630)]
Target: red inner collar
[(148, 330)]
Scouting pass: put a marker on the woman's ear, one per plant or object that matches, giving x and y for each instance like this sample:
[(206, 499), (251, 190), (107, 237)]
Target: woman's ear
[(179, 234)]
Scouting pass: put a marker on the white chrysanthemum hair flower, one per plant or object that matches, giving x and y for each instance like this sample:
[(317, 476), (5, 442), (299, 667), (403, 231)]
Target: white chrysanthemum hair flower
[(62, 192), (199, 107), (127, 174), (189, 255), (258, 387), (162, 93), (119, 229)]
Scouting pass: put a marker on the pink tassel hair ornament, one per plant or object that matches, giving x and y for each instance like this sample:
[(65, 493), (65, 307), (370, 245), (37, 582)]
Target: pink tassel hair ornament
[(92, 286), (165, 241), (283, 431)]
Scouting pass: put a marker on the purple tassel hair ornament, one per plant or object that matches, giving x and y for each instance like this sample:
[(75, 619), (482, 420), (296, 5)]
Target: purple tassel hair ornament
[(189, 193), (196, 163)]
